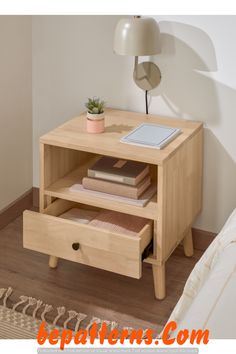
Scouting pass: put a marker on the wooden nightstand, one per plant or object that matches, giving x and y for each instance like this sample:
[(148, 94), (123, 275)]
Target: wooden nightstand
[(67, 151)]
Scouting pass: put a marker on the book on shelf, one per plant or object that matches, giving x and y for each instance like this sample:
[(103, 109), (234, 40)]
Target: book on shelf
[(142, 201), (114, 188), (117, 170)]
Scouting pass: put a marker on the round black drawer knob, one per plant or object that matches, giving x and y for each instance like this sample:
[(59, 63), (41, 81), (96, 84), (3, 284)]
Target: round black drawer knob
[(75, 246)]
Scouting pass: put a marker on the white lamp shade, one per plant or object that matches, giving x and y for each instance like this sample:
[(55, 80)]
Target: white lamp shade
[(137, 37)]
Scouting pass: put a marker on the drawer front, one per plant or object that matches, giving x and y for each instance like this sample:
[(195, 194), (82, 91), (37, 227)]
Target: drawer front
[(98, 248)]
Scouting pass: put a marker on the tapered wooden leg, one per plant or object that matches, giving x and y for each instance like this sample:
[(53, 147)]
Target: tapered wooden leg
[(53, 261), (159, 281), (188, 244)]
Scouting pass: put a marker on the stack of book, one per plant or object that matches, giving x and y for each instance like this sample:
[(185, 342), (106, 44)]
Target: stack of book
[(122, 178)]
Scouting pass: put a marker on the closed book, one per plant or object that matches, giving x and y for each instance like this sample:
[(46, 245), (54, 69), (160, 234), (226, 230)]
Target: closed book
[(151, 135), (120, 171), (116, 188), (141, 202), (82, 216)]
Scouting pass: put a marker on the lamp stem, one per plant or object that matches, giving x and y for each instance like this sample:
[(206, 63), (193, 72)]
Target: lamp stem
[(135, 66), (146, 101)]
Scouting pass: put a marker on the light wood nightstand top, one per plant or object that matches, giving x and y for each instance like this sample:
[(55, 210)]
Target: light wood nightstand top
[(73, 135)]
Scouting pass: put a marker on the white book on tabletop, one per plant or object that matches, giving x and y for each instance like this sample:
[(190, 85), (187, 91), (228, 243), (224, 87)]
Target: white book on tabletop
[(151, 135)]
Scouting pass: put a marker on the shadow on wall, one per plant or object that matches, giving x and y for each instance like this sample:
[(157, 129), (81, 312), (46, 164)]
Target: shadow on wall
[(190, 93), (219, 176), (184, 87)]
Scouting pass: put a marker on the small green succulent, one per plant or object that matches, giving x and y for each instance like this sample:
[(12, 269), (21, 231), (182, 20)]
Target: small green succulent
[(95, 105)]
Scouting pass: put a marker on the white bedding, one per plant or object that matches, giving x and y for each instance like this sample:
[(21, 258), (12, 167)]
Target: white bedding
[(209, 297)]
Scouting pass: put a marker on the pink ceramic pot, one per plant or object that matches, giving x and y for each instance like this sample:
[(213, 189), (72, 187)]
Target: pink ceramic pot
[(95, 123)]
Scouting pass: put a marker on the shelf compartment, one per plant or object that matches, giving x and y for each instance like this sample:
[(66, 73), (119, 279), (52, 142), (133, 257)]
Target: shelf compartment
[(61, 189)]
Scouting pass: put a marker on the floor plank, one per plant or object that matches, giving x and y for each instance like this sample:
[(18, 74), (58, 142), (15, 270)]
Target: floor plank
[(94, 292)]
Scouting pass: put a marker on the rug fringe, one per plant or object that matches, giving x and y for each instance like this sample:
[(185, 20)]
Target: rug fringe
[(6, 296), (113, 325), (47, 309), (93, 320), (80, 318), (32, 302), (108, 323), (72, 315), (39, 303), (23, 299), (28, 301), (2, 292), (60, 312)]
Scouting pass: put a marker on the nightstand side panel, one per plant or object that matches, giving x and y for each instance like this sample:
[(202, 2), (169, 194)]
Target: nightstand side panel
[(179, 195)]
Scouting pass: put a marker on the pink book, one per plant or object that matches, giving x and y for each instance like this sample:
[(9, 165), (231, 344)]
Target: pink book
[(117, 188), (118, 222), (142, 201)]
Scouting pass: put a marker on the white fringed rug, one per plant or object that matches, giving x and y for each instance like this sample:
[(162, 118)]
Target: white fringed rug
[(23, 319)]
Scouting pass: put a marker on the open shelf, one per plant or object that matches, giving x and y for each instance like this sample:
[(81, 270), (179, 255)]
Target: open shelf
[(61, 189)]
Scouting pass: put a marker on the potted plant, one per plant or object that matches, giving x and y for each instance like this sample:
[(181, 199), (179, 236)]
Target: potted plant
[(95, 115)]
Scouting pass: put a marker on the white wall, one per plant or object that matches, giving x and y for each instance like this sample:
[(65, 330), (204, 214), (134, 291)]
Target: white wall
[(15, 108), (73, 59)]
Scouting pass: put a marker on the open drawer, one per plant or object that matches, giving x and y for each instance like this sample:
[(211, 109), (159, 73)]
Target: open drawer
[(83, 243)]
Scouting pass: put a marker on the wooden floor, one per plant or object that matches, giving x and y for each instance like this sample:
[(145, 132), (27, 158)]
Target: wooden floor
[(106, 295)]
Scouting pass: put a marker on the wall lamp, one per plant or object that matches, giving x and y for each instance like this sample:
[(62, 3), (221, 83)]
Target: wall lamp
[(140, 36)]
